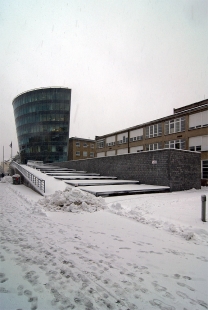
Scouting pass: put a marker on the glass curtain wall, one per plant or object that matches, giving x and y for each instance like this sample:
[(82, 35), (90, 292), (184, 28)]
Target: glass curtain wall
[(42, 124)]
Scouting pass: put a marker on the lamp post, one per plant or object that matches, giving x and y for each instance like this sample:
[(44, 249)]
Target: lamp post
[(3, 159)]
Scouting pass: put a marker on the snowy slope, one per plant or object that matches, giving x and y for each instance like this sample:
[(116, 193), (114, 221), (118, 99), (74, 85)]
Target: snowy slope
[(131, 252)]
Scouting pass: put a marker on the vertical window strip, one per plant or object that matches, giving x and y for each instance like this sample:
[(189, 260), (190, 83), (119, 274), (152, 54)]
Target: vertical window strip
[(154, 130), (175, 125)]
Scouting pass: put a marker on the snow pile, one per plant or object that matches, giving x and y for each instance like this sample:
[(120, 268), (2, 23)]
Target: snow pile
[(6, 179), (72, 200), (176, 213)]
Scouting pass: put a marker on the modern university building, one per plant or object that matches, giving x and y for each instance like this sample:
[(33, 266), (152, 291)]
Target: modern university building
[(42, 118)]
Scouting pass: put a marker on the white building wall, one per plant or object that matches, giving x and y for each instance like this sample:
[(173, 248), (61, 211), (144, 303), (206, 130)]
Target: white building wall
[(111, 153), (195, 141), (110, 139), (121, 135), (205, 118), (122, 151), (136, 133), (134, 149), (101, 154), (199, 140), (204, 143), (198, 119)]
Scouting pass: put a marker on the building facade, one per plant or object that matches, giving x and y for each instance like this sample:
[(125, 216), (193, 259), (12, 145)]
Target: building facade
[(186, 129), (80, 148), (42, 124)]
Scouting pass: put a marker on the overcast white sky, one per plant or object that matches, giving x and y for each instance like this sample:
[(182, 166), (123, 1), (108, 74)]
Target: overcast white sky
[(126, 61)]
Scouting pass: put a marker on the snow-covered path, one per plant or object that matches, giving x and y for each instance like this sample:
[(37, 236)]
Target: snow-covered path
[(99, 260)]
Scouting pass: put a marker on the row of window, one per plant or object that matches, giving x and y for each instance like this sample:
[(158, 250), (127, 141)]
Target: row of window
[(41, 95), (154, 146), (29, 129), (172, 126), (85, 145), (37, 139), (138, 138), (44, 148), (37, 118), (41, 107), (172, 144), (84, 154)]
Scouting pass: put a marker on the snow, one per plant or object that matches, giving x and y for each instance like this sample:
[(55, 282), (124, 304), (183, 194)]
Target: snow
[(72, 250), (84, 177), (7, 179), (122, 188), (51, 184), (100, 182), (72, 200)]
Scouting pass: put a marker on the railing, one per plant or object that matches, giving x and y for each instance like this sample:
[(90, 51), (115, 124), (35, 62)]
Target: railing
[(37, 182)]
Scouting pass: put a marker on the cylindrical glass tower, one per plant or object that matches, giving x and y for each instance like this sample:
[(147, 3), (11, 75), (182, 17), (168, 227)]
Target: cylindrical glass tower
[(42, 124)]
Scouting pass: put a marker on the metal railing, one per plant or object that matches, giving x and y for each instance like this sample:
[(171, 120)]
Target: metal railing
[(37, 182)]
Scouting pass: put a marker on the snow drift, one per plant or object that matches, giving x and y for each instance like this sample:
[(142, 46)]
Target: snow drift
[(6, 179), (72, 200)]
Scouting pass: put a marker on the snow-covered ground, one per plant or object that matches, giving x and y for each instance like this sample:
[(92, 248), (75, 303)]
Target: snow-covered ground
[(71, 250)]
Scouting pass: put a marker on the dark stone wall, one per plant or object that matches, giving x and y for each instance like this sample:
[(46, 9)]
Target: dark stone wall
[(179, 169)]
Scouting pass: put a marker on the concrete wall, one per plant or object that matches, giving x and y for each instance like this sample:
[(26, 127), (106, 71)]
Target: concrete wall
[(179, 169)]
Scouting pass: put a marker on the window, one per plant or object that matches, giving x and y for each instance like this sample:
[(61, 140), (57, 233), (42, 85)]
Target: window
[(175, 144), (154, 146), (124, 140), (59, 149), (198, 120), (205, 169), (78, 153), (91, 154), (195, 148), (84, 154), (77, 144), (85, 145), (92, 146), (175, 125), (199, 143), (138, 138), (110, 143), (120, 138), (100, 144), (153, 131)]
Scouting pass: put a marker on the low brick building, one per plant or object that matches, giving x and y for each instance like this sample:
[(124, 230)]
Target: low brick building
[(80, 148)]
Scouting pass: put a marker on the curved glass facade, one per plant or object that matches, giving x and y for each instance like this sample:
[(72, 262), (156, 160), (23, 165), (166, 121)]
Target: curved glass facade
[(42, 124)]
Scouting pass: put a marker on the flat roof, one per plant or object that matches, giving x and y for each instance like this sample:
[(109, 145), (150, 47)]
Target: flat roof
[(198, 106), (82, 139), (27, 91)]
